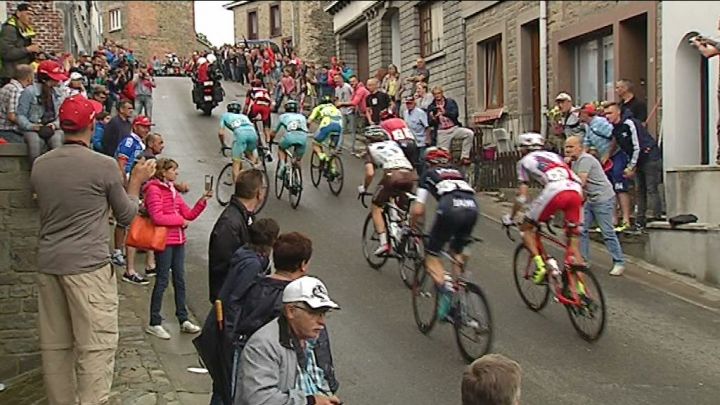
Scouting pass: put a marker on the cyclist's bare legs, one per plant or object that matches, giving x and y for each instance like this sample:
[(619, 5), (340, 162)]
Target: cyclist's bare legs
[(435, 268), (237, 168), (378, 219), (528, 233)]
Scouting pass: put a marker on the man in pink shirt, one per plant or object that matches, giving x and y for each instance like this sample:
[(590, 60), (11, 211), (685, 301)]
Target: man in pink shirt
[(360, 93)]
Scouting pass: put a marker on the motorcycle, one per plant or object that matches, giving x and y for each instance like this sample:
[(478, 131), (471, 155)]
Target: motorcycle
[(208, 94)]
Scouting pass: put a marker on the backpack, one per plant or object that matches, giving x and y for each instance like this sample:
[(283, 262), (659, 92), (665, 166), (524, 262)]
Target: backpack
[(682, 219)]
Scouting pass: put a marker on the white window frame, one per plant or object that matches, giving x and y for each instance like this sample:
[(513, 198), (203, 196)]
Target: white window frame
[(604, 48), (115, 18), (436, 28)]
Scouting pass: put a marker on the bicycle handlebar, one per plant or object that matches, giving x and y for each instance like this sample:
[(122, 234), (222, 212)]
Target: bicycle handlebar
[(361, 197), (224, 151)]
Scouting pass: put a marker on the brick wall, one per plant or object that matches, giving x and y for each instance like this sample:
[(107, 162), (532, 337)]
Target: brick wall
[(263, 11), (153, 27), (19, 225), (47, 22)]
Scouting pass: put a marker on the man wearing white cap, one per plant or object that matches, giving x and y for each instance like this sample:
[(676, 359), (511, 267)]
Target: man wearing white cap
[(570, 116), (279, 362)]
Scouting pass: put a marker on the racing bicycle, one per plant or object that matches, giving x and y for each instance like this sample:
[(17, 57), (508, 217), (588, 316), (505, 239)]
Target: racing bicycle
[(225, 187), (469, 309), (575, 287), (407, 244), (291, 179), (330, 169)]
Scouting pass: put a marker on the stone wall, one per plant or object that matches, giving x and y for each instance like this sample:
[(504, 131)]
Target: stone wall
[(262, 8), (316, 39), (19, 225), (152, 28), (47, 22)]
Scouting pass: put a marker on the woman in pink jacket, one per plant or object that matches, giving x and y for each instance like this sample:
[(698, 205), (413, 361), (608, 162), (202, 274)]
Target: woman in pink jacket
[(166, 207)]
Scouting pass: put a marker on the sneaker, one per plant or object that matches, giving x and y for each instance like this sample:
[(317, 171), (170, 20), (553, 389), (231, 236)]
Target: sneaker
[(622, 227), (444, 304), (383, 250), (540, 271), (281, 171), (150, 272), (135, 279), (189, 327), (157, 331), (118, 259), (636, 230), (617, 270)]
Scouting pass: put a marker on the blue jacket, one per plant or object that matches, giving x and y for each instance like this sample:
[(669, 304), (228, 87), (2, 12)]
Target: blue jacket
[(451, 111), (634, 139), (97, 138), (30, 109)]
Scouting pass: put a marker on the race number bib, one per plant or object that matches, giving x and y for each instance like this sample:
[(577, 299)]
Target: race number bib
[(401, 134), (557, 174), (236, 124), (293, 126)]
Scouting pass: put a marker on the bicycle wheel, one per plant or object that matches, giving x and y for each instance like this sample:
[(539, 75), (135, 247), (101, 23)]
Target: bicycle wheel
[(266, 186), (315, 169), (224, 188), (412, 261), (535, 296), (425, 301), (473, 322), (295, 189), (336, 174), (589, 317), (370, 242), (279, 182)]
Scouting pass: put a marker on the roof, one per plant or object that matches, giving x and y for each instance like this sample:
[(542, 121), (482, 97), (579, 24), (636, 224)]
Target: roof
[(231, 5), (333, 7)]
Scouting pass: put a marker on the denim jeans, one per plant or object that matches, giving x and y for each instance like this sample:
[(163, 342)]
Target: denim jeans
[(350, 127), (602, 213), (173, 257), (144, 102), (12, 136), (35, 143), (649, 173)]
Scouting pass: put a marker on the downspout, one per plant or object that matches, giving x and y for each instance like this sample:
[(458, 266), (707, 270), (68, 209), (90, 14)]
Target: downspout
[(543, 68), (292, 23), (464, 61)]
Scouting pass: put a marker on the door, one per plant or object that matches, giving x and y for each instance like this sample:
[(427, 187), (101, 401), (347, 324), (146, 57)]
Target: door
[(363, 64), (534, 31)]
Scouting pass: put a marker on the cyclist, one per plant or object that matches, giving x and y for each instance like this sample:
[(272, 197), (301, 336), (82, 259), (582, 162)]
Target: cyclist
[(400, 133), (245, 138), (562, 191), (258, 103), (397, 179), (457, 212), (296, 130), (330, 123)]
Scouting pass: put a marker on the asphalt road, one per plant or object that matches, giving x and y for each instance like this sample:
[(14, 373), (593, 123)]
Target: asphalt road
[(656, 348)]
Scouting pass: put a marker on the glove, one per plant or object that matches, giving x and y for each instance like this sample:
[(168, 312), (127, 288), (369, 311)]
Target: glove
[(361, 189), (507, 220)]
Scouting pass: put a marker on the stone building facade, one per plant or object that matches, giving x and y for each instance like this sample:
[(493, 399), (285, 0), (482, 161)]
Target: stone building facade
[(63, 26), (151, 28), (370, 35), (19, 226), (302, 22)]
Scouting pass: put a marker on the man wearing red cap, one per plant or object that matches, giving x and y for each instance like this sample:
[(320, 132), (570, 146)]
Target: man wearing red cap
[(127, 154), (77, 288), (37, 111)]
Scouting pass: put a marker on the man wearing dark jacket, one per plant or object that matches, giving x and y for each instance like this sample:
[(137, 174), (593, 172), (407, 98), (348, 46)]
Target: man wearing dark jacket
[(443, 115), (119, 128), (16, 47), (231, 229)]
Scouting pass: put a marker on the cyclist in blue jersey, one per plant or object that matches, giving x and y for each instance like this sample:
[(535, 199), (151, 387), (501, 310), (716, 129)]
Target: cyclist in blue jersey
[(245, 137), (296, 130), (330, 123)]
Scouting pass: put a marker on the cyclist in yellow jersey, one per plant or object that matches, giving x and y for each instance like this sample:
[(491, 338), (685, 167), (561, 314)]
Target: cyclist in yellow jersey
[(330, 123)]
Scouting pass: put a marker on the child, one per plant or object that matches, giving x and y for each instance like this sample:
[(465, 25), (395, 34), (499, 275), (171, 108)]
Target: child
[(101, 120), (167, 208)]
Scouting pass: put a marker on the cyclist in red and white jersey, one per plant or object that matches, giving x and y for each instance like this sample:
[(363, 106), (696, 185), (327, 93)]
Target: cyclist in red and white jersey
[(258, 103), (399, 132), (562, 191)]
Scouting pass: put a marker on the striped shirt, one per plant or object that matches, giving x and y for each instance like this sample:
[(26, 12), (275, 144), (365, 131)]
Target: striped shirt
[(9, 99), (312, 379)]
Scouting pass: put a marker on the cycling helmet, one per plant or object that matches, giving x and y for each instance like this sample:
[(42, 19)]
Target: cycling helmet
[(234, 107), (532, 140), (437, 156), (386, 115), (211, 58), (326, 100), (291, 106), (256, 83), (374, 133)]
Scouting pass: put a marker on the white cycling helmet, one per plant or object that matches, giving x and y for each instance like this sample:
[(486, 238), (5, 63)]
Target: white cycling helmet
[(211, 58), (532, 140), (201, 61)]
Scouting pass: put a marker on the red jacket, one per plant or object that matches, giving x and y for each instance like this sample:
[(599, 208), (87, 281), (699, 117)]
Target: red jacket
[(203, 72), (166, 207)]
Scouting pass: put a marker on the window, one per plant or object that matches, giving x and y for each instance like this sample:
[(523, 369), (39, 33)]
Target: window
[(431, 27), (594, 70), (275, 21), (491, 72), (115, 20), (252, 25)]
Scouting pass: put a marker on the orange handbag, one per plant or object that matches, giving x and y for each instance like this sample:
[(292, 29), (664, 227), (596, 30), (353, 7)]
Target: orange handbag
[(144, 234)]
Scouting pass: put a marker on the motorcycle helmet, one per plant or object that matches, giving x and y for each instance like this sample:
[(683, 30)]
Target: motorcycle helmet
[(211, 58), (201, 61), (234, 107), (437, 156), (291, 106)]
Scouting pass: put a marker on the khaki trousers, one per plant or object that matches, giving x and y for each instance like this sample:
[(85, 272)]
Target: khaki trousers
[(78, 316)]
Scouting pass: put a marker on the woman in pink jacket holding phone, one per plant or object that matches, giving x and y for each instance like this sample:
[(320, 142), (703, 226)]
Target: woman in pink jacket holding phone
[(167, 208)]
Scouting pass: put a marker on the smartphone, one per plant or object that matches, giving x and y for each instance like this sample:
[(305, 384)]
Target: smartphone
[(209, 182)]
